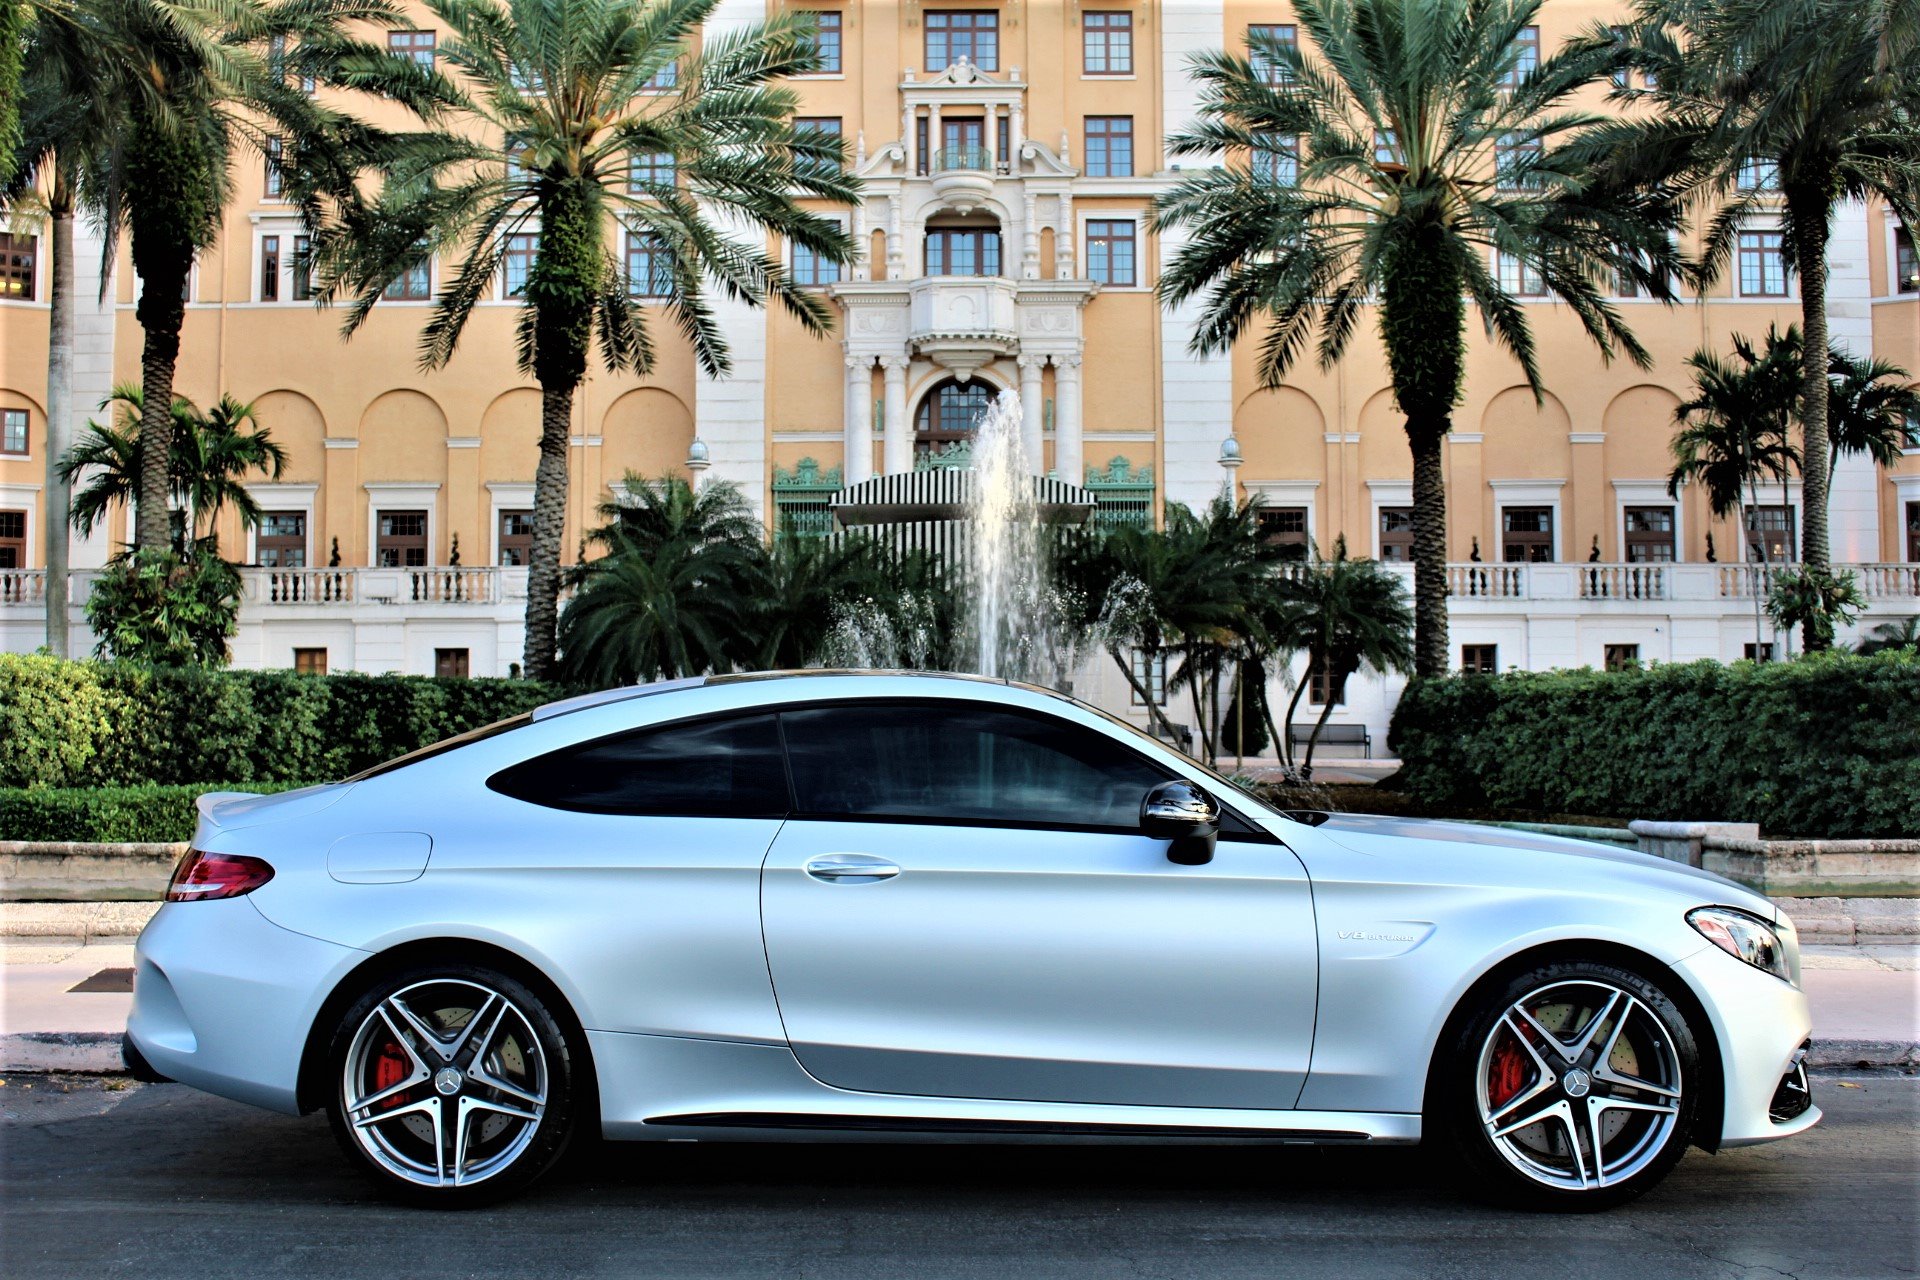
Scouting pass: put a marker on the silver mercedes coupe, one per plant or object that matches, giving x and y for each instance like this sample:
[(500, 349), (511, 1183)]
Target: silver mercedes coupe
[(872, 906)]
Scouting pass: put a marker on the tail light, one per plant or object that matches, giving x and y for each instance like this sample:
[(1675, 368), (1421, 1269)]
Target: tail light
[(202, 876)]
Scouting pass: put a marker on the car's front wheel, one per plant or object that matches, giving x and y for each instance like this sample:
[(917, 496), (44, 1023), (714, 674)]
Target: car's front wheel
[(452, 1084), (1570, 1086)]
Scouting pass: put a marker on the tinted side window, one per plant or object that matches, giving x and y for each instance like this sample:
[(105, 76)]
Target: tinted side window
[(935, 761), (706, 768)]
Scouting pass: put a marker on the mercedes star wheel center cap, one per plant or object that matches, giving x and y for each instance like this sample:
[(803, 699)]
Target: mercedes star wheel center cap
[(1576, 1082), (448, 1081)]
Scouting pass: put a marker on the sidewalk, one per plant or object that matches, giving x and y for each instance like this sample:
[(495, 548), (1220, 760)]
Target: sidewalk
[(1866, 1005)]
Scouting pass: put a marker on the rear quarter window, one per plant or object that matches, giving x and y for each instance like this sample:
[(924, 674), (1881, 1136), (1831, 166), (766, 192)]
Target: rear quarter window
[(723, 768)]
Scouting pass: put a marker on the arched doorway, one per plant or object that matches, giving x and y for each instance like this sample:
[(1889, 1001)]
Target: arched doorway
[(949, 413)]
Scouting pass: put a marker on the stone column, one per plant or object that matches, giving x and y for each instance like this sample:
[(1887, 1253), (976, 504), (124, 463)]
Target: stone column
[(1063, 240), (1033, 412), (859, 431), (990, 138), (1067, 462), (1030, 238), (1016, 134), (907, 115), (934, 141), (896, 241), (857, 228), (898, 445)]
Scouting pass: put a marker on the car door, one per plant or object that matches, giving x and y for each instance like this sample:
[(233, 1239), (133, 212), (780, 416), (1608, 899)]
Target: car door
[(962, 906)]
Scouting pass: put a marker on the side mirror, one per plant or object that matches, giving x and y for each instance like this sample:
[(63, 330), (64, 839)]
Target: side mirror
[(1181, 812)]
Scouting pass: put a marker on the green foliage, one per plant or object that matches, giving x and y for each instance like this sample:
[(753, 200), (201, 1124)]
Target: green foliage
[(111, 815), (1825, 746), (165, 607), (78, 724), (13, 34), (1733, 432), (1243, 730), (1815, 598)]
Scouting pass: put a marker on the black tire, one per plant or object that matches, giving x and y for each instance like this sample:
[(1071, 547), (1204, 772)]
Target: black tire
[(528, 1055), (1640, 1131)]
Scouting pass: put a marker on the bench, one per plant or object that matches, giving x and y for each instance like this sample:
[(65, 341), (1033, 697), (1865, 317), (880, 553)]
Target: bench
[(1182, 736), (1351, 735)]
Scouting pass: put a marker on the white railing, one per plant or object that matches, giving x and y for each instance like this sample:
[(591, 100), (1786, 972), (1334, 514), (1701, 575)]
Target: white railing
[(302, 586), (453, 585), (445, 584), (23, 586)]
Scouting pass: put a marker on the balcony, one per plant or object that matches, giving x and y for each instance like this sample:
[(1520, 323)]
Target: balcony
[(433, 585), (962, 177), (1880, 584), (962, 322)]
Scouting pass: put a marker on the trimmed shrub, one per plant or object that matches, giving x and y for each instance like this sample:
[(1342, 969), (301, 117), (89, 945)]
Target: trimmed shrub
[(76, 724), (112, 815), (1826, 746)]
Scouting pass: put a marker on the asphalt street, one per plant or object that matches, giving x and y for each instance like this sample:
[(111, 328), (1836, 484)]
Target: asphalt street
[(159, 1181)]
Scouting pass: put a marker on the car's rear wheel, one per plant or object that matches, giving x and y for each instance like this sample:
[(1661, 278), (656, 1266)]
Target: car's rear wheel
[(452, 1084), (1571, 1086)]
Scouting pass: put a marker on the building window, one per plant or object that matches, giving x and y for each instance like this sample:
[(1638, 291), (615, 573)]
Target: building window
[(269, 268), (1110, 251), (1262, 39), (1276, 159), (1906, 263), (1622, 76), (652, 170), (1526, 535), (310, 662), (1323, 687), (1386, 147), (649, 266), (1480, 659), (1763, 267), (819, 124), (1758, 175), (663, 80), (953, 34), (1109, 146), (1520, 277), (302, 269), (13, 539), (276, 180), (1526, 57), (1762, 652), (949, 413), (826, 41), (1396, 534), (1776, 527), (1913, 532), (281, 541), (400, 540), (516, 538), (13, 431), (415, 284), (1106, 44), (1622, 656), (1285, 528), (1516, 162), (963, 253), (16, 266), (810, 268), (1650, 535), (1150, 673), (416, 45), (450, 664), (516, 262)]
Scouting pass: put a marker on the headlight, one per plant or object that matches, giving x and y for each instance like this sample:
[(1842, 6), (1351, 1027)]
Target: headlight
[(1744, 937)]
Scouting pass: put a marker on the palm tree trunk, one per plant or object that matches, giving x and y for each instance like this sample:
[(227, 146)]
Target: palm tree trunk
[(1811, 220), (549, 529), (160, 350), (1154, 713), (1293, 705), (1429, 549), (1313, 739), (59, 411), (1199, 720)]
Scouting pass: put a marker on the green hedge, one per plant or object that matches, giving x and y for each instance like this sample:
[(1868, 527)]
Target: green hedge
[(110, 814), (1827, 746), (84, 724)]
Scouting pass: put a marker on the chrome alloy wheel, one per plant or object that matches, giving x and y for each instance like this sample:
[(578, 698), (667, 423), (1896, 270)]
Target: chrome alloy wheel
[(1578, 1085), (445, 1083)]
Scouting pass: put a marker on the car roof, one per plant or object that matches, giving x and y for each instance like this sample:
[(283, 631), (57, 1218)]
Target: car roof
[(606, 696)]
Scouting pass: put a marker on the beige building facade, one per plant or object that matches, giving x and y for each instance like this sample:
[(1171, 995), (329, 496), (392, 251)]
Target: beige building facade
[(1011, 151)]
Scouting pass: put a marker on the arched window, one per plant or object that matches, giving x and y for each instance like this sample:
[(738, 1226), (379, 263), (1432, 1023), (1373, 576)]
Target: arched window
[(949, 413)]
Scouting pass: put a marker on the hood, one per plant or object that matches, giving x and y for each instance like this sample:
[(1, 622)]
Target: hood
[(1386, 837), (231, 810)]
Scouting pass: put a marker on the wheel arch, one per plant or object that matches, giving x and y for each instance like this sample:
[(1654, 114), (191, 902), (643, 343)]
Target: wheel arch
[(1669, 979), (310, 1091)]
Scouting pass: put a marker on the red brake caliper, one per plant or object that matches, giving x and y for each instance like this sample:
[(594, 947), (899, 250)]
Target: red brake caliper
[(389, 1069), (1507, 1074)]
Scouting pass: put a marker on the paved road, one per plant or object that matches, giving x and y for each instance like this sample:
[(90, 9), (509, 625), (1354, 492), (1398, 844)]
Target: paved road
[(160, 1182)]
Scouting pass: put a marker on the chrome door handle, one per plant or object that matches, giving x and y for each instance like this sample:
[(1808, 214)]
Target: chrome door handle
[(851, 868)]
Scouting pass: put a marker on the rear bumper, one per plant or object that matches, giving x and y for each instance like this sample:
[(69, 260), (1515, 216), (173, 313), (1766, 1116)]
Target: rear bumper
[(223, 1000), (1762, 1025)]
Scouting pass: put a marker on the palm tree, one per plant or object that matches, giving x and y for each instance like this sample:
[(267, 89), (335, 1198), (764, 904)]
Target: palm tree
[(576, 120), (1349, 616), (1871, 408), (1903, 633), (212, 453), (1425, 150), (1734, 430), (1819, 97), (798, 591)]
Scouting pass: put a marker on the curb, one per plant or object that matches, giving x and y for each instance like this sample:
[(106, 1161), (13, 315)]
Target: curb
[(98, 1053)]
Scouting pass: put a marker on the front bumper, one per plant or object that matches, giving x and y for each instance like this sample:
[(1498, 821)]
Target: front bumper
[(223, 1000), (1762, 1025)]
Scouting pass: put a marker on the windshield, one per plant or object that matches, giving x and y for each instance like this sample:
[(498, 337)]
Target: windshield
[(445, 744)]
